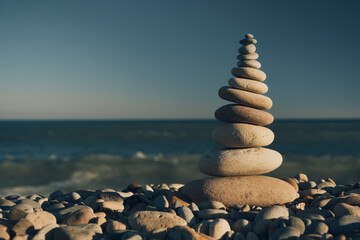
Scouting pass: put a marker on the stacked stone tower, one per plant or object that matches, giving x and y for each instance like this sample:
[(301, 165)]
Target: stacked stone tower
[(237, 166)]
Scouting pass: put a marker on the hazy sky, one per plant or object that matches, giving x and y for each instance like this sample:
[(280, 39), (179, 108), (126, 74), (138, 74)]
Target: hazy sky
[(167, 59)]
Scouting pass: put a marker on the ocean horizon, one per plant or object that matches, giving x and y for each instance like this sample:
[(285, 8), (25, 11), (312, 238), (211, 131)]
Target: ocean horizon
[(46, 155)]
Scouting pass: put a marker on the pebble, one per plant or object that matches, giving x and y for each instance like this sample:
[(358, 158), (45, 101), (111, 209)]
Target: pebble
[(211, 205), (342, 209), (81, 216), (111, 206), (246, 49), (212, 213), (78, 232), (245, 98), (187, 214), (218, 228), (250, 73), (238, 135), (40, 219), (150, 220), (160, 202), (19, 211), (345, 224), (250, 56), (248, 85), (248, 41), (253, 190), (113, 225), (317, 228), (272, 212), (241, 114), (235, 162), (242, 225), (249, 63), (302, 177)]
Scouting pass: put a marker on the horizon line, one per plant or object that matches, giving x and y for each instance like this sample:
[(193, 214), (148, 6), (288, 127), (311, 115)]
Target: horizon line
[(168, 119)]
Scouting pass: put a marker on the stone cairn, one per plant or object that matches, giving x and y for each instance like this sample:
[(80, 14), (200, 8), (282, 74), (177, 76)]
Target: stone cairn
[(237, 166)]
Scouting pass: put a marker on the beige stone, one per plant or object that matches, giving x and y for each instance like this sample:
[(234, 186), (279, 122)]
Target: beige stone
[(250, 56), (218, 228), (150, 220), (251, 73), (241, 114), (235, 162), (112, 206), (248, 41), (113, 225), (293, 183), (248, 85), (249, 35), (245, 98), (342, 209), (250, 48), (252, 190), (40, 218), (249, 63), (81, 216), (240, 135)]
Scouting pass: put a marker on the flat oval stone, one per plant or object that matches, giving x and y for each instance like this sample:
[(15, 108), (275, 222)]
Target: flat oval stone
[(252, 190), (235, 162), (248, 41), (250, 48), (238, 135), (251, 73), (150, 220), (240, 114), (249, 35), (250, 56), (245, 98), (249, 63), (248, 85)]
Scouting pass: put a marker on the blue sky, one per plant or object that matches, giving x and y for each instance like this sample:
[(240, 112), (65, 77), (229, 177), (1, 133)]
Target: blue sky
[(167, 59)]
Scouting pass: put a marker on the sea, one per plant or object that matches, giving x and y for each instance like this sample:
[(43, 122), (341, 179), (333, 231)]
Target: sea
[(44, 156)]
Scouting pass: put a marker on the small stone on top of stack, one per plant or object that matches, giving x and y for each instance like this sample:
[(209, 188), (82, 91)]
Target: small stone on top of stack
[(237, 166)]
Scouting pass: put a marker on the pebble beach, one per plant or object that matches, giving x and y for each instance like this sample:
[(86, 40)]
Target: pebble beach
[(322, 210)]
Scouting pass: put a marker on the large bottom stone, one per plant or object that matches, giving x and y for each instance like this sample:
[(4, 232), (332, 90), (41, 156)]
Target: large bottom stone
[(252, 190)]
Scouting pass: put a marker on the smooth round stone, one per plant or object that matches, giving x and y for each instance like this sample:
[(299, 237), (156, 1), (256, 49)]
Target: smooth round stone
[(245, 98), (342, 209), (40, 219), (235, 162), (211, 205), (272, 212), (218, 228), (250, 73), (249, 35), (148, 221), (238, 135), (212, 213), (250, 48), (260, 191), (250, 56), (248, 85), (242, 114), (248, 41), (249, 63), (187, 214), (345, 224)]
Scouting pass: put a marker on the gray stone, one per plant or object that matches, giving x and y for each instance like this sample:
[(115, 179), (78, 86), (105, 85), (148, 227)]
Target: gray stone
[(160, 202), (212, 213), (187, 214)]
